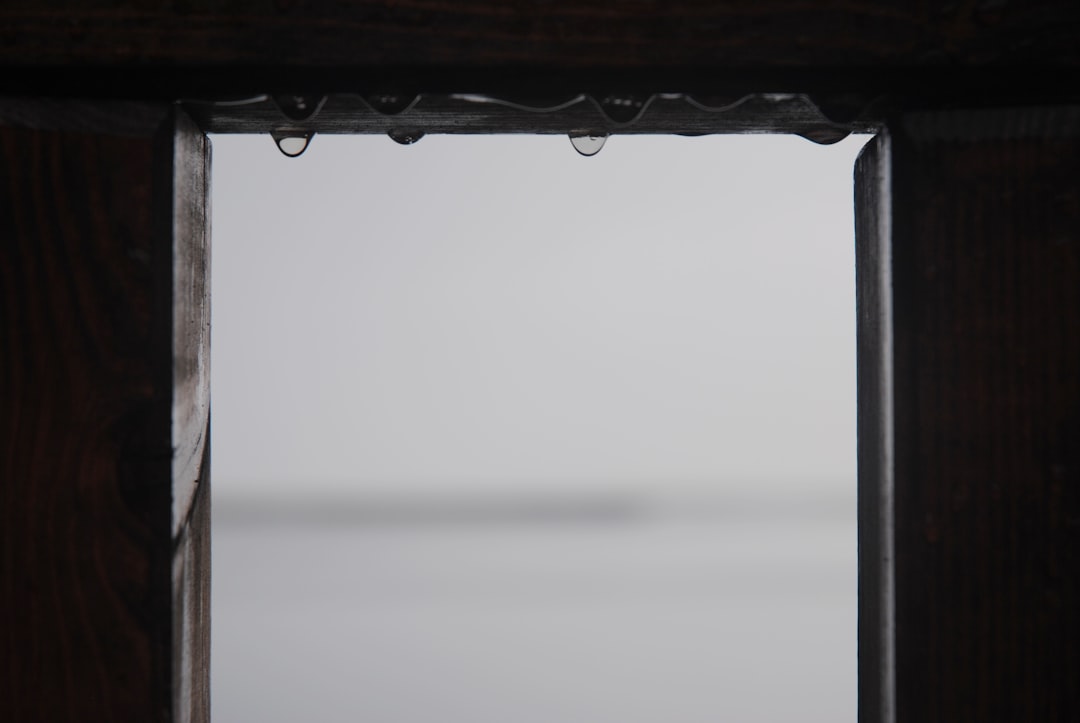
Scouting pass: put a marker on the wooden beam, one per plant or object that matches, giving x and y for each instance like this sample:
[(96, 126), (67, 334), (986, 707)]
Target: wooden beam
[(103, 371), (142, 49), (622, 113), (969, 281), (877, 625), (555, 33)]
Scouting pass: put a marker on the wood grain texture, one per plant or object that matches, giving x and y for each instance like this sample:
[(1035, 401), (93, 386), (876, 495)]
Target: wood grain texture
[(132, 48), (190, 234), (191, 606), (86, 404), (985, 292), (190, 222)]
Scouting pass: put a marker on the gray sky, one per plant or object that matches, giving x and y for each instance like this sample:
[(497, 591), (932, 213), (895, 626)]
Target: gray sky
[(486, 311)]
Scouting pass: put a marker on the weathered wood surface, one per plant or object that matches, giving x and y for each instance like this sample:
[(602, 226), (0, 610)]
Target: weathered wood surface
[(190, 215), (980, 221), (86, 424), (191, 607), (190, 294), (577, 113), (139, 48)]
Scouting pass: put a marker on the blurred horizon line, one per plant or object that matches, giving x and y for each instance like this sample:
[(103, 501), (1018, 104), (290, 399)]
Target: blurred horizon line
[(532, 505)]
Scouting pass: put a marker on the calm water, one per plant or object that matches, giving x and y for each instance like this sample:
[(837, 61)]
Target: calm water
[(581, 613)]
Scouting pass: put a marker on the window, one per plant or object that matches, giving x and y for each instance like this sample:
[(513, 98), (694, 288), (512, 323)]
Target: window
[(497, 430)]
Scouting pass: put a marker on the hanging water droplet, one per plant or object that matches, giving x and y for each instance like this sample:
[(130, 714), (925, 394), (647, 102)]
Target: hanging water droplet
[(825, 136), (405, 138), (588, 145), (292, 143), (299, 107), (391, 103), (622, 108)]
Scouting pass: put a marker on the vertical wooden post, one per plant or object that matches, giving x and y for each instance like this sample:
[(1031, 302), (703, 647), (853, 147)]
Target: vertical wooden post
[(969, 319), (877, 655), (104, 499)]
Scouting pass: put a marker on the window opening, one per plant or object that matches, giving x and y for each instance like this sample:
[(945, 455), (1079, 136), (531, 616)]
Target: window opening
[(505, 433)]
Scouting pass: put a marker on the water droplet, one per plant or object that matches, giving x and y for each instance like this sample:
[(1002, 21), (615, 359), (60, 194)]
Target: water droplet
[(405, 138), (622, 108), (299, 107), (292, 143), (825, 136), (391, 103), (588, 145)]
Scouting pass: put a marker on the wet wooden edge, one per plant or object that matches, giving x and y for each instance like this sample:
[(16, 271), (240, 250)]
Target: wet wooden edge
[(873, 264)]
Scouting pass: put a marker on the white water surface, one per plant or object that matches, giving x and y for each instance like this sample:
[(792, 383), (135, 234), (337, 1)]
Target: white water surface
[(647, 619)]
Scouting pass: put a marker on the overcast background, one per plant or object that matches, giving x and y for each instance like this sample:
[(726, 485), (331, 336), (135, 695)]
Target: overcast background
[(504, 433)]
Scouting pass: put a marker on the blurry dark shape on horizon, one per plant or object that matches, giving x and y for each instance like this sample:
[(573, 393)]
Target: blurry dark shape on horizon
[(529, 508)]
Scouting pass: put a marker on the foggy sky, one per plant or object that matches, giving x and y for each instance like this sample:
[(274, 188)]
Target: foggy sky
[(499, 310)]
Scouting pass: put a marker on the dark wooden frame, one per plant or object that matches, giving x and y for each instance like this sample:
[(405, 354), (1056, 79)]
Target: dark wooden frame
[(105, 494), (968, 275)]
